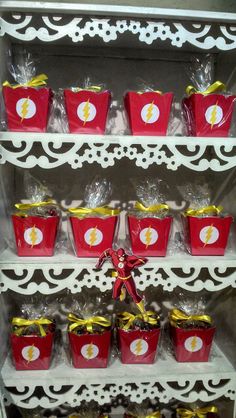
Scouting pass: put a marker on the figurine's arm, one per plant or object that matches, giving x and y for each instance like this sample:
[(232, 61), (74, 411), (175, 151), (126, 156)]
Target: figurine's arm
[(136, 261), (103, 257)]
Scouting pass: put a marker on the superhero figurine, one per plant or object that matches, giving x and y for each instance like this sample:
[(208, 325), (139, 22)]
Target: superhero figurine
[(124, 264)]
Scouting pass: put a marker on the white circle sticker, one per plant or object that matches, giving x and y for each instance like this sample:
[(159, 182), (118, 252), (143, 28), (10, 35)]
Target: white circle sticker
[(148, 236), (209, 234), (193, 344), (93, 236), (150, 113), (89, 351), (25, 108), (86, 111), (214, 114), (30, 353), (33, 236), (139, 347)]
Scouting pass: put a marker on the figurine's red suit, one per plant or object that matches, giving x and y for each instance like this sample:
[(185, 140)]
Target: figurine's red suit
[(124, 264)]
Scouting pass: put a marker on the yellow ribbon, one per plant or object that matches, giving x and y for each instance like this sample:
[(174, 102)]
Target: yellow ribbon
[(88, 323), (206, 210), (28, 206), (150, 91), (218, 86), (200, 412), (103, 210), (177, 316), (127, 318), (39, 80), (153, 208), (155, 414), (22, 322), (96, 89)]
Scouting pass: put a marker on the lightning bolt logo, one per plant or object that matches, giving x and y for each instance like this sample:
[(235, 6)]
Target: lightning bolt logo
[(208, 234), (86, 111), (148, 236), (90, 351), (194, 343), (213, 115), (30, 353), (138, 347), (24, 109), (93, 236), (149, 111), (33, 236)]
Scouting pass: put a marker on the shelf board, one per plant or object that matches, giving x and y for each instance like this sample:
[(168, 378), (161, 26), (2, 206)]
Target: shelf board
[(66, 271), (48, 150), (175, 380)]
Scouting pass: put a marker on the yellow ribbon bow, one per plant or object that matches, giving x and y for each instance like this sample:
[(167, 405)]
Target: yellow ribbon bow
[(96, 89), (206, 210), (39, 80), (200, 412), (127, 318), (177, 316), (28, 206), (22, 322), (152, 208), (155, 414), (88, 323), (218, 86), (102, 210), (150, 91)]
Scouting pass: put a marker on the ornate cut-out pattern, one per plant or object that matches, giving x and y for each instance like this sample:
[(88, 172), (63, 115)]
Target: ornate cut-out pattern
[(168, 273), (54, 150), (52, 28)]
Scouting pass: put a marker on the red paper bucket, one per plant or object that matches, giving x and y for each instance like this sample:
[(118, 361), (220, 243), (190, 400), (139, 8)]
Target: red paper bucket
[(32, 352), (35, 235), (208, 115), (87, 111), (27, 108), (149, 236), (138, 346), (208, 235), (192, 345), (93, 235), (90, 350), (148, 113)]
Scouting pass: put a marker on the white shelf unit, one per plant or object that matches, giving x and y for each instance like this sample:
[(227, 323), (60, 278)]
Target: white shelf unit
[(172, 34)]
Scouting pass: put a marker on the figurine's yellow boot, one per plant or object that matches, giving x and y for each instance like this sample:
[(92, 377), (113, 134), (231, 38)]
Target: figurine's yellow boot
[(142, 309)]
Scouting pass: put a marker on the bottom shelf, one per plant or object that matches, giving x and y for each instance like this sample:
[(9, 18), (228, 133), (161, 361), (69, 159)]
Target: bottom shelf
[(166, 379)]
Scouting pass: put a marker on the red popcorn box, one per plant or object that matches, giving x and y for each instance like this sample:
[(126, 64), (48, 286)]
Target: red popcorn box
[(87, 111), (192, 345), (90, 350), (149, 112), (93, 235), (35, 235), (149, 236), (208, 235), (208, 115), (138, 346), (32, 352), (27, 108)]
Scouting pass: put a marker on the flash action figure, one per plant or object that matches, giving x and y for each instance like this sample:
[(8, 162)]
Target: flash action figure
[(124, 264)]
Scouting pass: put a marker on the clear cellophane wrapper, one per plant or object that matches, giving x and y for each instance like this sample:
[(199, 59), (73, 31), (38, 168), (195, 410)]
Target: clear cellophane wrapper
[(151, 192), (27, 102), (143, 410), (197, 196), (208, 107)]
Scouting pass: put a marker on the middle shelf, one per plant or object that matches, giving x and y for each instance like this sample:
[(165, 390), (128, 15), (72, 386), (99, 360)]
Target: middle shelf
[(66, 271)]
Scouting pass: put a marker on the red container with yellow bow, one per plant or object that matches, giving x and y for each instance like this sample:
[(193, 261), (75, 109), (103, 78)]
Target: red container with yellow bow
[(138, 337), (90, 340), (149, 232), (87, 109), (206, 230), (192, 336), (35, 227), (148, 112), (32, 343), (27, 105)]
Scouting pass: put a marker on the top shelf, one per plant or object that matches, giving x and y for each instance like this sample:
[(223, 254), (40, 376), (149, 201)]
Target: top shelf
[(28, 150)]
